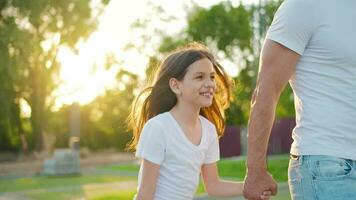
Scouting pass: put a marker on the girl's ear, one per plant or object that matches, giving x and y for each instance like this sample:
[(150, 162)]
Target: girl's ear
[(174, 85)]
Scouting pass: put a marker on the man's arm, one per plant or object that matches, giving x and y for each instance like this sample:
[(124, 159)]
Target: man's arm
[(277, 65)]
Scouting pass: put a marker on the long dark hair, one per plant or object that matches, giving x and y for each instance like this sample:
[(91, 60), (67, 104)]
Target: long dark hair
[(159, 97)]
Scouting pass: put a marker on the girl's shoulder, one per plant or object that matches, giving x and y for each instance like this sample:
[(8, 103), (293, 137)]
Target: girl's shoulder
[(207, 123), (158, 120), (155, 127)]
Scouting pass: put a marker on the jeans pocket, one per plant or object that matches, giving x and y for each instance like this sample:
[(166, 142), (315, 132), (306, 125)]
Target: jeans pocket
[(295, 179), (329, 168)]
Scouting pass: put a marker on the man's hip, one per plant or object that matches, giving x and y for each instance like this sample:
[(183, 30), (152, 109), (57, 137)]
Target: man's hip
[(321, 177)]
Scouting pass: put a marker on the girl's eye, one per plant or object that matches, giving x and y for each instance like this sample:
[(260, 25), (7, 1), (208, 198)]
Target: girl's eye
[(212, 77), (199, 77)]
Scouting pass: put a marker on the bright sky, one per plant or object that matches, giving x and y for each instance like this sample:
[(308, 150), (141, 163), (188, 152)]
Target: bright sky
[(83, 75)]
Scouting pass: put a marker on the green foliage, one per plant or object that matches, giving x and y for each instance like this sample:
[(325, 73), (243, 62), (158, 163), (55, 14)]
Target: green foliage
[(239, 29), (59, 126), (238, 32), (285, 107), (169, 44), (223, 24), (104, 119), (31, 33), (152, 67), (238, 112), (10, 122)]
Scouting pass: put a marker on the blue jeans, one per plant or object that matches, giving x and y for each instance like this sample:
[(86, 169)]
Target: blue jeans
[(322, 178)]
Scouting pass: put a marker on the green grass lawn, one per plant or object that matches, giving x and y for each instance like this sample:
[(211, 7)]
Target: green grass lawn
[(42, 182), (277, 166), (234, 170), (100, 186), (90, 186)]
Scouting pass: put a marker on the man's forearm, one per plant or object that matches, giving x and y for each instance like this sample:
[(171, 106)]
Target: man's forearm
[(262, 114), (277, 65), (145, 194)]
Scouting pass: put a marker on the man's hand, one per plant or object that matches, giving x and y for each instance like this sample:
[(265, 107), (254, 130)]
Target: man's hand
[(257, 182)]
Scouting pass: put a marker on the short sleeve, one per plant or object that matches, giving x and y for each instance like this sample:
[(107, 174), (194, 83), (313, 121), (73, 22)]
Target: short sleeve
[(213, 152), (152, 143), (293, 25)]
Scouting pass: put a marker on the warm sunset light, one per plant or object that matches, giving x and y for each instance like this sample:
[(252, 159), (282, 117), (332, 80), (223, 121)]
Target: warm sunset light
[(80, 117), (83, 75)]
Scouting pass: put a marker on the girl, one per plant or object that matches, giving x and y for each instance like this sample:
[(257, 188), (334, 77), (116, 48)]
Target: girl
[(176, 128)]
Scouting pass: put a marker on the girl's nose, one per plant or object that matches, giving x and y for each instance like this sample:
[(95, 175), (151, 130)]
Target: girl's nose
[(209, 83)]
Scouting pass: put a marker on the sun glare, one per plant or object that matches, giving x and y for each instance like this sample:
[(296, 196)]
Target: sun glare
[(83, 74)]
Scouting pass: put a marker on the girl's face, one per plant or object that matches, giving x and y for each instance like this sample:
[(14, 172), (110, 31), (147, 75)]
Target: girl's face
[(198, 85)]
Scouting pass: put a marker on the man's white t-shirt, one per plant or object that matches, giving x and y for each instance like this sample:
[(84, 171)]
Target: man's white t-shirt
[(163, 142), (323, 32)]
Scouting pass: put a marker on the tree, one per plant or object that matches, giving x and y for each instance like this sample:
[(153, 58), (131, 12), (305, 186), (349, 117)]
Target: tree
[(228, 29), (105, 117), (32, 32), (223, 24), (237, 33), (11, 40)]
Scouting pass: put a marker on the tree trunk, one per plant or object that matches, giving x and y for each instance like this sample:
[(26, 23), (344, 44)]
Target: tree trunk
[(37, 107), (36, 122)]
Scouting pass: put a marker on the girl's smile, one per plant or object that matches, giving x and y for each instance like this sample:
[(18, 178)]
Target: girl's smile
[(198, 85), (207, 94)]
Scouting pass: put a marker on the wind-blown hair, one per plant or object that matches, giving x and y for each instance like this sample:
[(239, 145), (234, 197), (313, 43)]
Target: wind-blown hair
[(159, 97)]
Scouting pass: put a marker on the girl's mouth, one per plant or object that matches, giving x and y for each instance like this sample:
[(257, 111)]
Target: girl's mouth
[(206, 94)]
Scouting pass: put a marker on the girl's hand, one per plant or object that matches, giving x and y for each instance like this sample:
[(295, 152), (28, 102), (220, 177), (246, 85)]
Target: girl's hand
[(265, 195)]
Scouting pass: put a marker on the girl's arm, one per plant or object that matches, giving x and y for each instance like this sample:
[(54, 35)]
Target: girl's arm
[(214, 186), (148, 184)]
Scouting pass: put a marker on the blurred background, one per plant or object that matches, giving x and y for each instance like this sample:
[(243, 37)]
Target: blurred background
[(69, 71)]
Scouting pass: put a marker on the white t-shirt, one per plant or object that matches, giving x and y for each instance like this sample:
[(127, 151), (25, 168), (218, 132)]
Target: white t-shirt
[(163, 142), (323, 32)]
